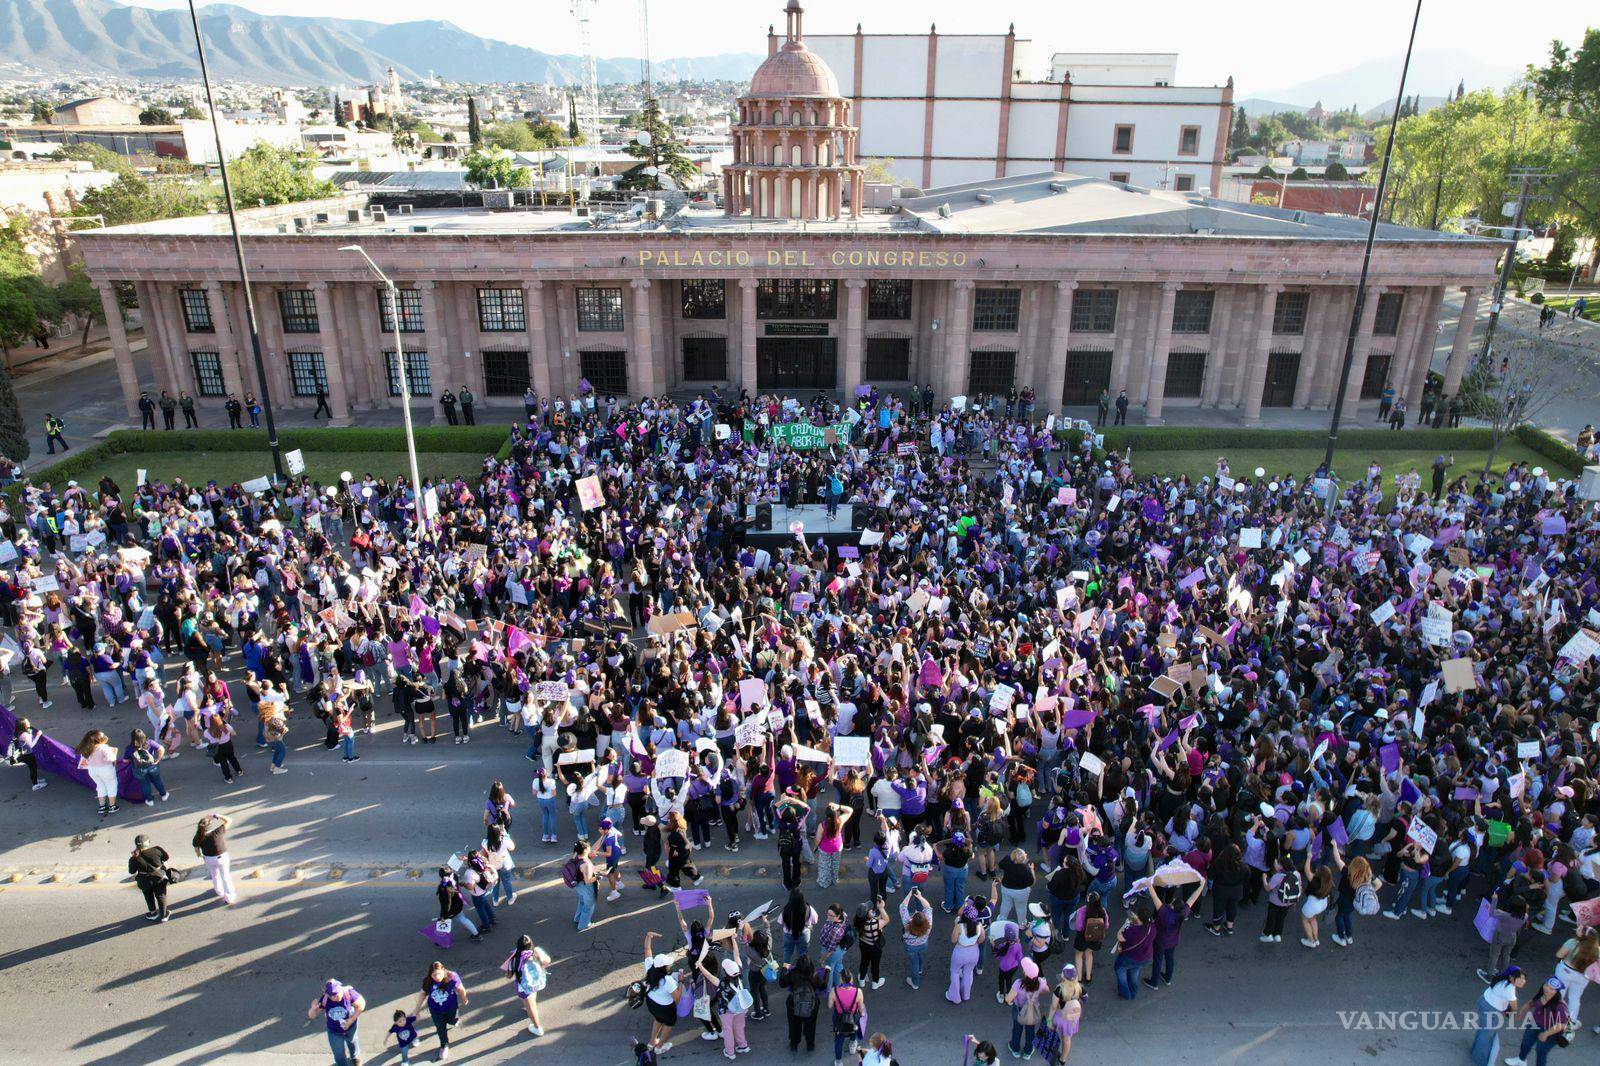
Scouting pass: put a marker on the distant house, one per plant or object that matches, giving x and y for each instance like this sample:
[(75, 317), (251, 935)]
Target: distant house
[(96, 111)]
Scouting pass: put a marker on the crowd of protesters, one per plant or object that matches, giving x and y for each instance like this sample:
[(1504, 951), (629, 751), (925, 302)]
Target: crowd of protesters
[(1051, 703)]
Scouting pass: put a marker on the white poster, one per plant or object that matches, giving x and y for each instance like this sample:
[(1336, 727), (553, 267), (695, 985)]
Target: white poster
[(1091, 763), (673, 763), (852, 751), (752, 694), (296, 462), (1250, 538), (257, 484), (552, 690)]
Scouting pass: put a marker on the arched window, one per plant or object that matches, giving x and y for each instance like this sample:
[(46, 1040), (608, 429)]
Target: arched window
[(776, 159), (794, 118), (811, 117), (794, 155), (794, 199)]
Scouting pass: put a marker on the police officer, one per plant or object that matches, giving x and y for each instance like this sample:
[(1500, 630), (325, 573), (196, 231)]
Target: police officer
[(186, 404), (467, 400), (448, 402), (235, 411), (53, 430), (147, 411), (169, 410)]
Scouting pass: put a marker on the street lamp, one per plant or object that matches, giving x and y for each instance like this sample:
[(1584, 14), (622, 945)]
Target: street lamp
[(393, 296)]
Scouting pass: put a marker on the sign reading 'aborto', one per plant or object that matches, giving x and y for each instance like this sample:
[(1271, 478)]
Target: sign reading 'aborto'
[(801, 257)]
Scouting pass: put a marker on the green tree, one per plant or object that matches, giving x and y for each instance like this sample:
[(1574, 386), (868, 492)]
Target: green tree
[(39, 112), (1266, 172), (267, 174), (474, 127), (191, 112), (495, 169), (1335, 171), (338, 112), (155, 116), (573, 134), (78, 296), (1567, 89), (13, 430), (1239, 134), (659, 159), (879, 170), (93, 154), (132, 198), (1299, 174)]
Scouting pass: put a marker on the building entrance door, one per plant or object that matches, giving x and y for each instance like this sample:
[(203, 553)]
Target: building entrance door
[(796, 363), (1283, 370)]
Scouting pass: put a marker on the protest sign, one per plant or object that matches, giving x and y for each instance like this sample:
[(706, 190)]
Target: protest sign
[(1528, 749), (1091, 763), (1250, 538), (852, 751), (1458, 676), (1424, 836), (662, 624), (752, 694), (590, 494), (257, 484), (672, 763), (552, 690), (295, 461), (751, 732)]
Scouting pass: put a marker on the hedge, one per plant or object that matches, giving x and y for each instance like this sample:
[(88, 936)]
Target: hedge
[(1552, 448), (482, 438), (1196, 438)]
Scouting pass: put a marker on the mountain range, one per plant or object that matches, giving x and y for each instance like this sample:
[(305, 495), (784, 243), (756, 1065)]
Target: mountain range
[(103, 37), (1369, 83)]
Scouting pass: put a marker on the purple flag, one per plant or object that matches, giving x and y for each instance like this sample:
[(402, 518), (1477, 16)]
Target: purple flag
[(432, 932), (1337, 834), (1389, 757), (1192, 578), (690, 897), (1076, 719), (849, 551), (1465, 792), (1409, 792), (57, 758)]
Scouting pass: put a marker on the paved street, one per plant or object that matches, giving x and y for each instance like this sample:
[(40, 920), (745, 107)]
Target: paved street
[(220, 984)]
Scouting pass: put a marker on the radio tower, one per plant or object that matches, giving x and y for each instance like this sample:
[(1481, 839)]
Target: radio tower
[(589, 119), (644, 47)]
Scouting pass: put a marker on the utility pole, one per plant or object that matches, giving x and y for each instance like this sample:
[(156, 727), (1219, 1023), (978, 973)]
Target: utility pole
[(1525, 180)]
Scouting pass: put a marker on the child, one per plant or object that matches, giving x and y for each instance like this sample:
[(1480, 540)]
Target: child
[(404, 1031), (610, 845)]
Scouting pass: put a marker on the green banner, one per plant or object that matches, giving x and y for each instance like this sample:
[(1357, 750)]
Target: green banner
[(803, 436)]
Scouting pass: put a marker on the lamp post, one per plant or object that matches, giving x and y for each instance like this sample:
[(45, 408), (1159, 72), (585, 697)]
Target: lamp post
[(238, 252), (393, 296)]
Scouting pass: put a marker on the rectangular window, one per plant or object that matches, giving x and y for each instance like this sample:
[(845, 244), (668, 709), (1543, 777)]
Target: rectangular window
[(599, 310), (1094, 311), (1120, 176), (505, 371), (1189, 140), (705, 299), (888, 359), (299, 310), (606, 370), (419, 375), (1289, 313), (705, 359), (1387, 321), (889, 299), (1376, 376), (993, 373), (1122, 141), (1183, 183), (501, 311), (996, 310), (1186, 372), (410, 310), (1191, 311), (797, 298), (196, 311), (307, 372), (1088, 374), (208, 373)]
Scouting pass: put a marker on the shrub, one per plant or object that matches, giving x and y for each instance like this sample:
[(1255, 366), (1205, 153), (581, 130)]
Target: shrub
[(1552, 448), (481, 438)]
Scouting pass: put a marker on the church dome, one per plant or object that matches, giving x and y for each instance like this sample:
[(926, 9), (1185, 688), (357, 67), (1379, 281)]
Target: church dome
[(793, 70)]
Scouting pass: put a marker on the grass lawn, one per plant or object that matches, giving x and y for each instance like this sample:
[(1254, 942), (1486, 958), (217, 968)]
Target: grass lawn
[(1591, 310), (1349, 463), (198, 467)]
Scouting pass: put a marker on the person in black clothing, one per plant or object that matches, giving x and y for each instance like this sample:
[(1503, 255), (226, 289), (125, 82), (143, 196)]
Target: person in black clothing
[(54, 433), (148, 865), (322, 402), (169, 410), (1440, 465), (1453, 412), (186, 404), (235, 411), (1122, 408), (1103, 406), (147, 411), (806, 987), (448, 402)]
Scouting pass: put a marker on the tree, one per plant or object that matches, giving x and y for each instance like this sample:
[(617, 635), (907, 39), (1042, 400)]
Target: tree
[(1534, 372), (1266, 171), (78, 296), (40, 112), (1335, 171), (1299, 174), (98, 157), (660, 156), (573, 133), (267, 174), (879, 170), (1239, 135), (338, 112), (132, 198), (191, 112), (474, 130), (155, 116), (495, 169), (1568, 90)]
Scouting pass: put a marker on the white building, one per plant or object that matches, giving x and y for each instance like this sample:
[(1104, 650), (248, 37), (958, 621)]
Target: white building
[(958, 108)]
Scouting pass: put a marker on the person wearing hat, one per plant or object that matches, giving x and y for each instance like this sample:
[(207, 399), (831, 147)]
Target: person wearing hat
[(1028, 999), (731, 1002), (148, 866), (662, 992), (1544, 1022), (341, 1005)]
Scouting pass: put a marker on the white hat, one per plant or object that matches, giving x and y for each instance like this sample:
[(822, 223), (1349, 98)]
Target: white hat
[(730, 967), (661, 962)]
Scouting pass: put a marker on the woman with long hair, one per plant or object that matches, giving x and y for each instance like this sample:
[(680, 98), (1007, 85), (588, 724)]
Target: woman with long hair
[(1355, 881), (967, 934), (797, 918), (529, 967), (99, 758), (662, 992), (1578, 968), (1497, 1010), (830, 843), (1089, 924), (1319, 888), (445, 995)]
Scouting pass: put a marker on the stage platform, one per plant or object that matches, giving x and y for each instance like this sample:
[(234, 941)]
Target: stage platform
[(813, 517)]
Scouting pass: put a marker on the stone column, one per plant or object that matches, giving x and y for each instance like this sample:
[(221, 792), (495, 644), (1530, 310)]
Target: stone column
[(1222, 346), (538, 342), (1337, 326), (1155, 398), (438, 362), (127, 373), (1127, 319), (958, 355), (854, 337), (1461, 350), (1422, 345), (156, 345), (1358, 365), (1053, 379), (1255, 378), (332, 355), (230, 351), (643, 353), (748, 377), (1312, 345)]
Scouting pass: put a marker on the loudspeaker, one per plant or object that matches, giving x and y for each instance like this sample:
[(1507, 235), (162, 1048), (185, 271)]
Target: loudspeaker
[(763, 518), (860, 517)]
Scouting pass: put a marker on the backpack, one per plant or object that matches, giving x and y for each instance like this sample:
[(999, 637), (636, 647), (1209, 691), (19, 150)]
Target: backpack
[(1290, 889), (788, 838), (634, 996), (803, 998), (1366, 900), (848, 1022), (1094, 929), (651, 877), (1047, 1042), (572, 873)]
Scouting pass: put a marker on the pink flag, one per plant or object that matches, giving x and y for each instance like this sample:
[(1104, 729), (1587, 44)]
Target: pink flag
[(417, 606), (516, 640)]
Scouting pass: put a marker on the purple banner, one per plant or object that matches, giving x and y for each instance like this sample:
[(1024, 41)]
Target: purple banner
[(62, 761)]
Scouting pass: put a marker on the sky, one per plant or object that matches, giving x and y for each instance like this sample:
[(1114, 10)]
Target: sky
[(1260, 45)]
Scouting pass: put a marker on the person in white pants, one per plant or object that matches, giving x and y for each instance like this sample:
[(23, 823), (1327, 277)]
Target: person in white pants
[(211, 844), (99, 758)]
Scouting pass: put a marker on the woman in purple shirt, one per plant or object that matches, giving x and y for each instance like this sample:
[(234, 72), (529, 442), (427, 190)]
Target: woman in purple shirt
[(341, 1005), (1136, 945), (445, 995)]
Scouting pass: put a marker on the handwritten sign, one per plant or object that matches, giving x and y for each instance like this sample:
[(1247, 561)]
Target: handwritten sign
[(552, 690), (852, 751), (672, 763)]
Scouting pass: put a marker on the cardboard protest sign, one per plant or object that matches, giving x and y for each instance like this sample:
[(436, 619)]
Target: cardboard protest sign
[(1091, 763), (552, 690), (1582, 646), (590, 494), (753, 694), (575, 758), (1250, 538), (672, 763), (1458, 676), (1166, 687), (1528, 749), (852, 751), (662, 624), (1424, 837), (751, 732)]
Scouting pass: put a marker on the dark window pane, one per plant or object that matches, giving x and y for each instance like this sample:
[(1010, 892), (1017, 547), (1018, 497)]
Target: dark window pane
[(1094, 311), (1088, 372), (888, 359), (419, 375), (996, 310), (1289, 314), (306, 372), (889, 298), (1186, 372), (1191, 311), (196, 311), (1376, 376), (1283, 371), (606, 370), (993, 372), (600, 310), (208, 373), (705, 358), (1387, 321), (797, 298), (299, 310), (705, 299), (505, 372), (501, 311), (410, 311)]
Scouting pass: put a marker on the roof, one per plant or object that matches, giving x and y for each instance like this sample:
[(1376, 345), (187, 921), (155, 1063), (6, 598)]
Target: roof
[(793, 70), (70, 104), (435, 180)]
